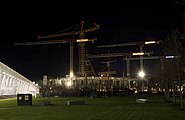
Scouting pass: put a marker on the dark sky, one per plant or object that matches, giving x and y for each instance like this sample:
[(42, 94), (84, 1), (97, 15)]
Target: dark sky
[(125, 21)]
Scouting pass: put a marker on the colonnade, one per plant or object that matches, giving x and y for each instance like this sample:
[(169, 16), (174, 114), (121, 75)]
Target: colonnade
[(13, 83)]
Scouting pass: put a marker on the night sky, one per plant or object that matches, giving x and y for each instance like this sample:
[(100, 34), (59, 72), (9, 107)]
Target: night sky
[(120, 22)]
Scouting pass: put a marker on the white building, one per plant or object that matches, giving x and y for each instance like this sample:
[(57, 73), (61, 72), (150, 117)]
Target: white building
[(13, 83)]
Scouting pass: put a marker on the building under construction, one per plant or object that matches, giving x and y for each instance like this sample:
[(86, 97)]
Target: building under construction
[(105, 82), (86, 81)]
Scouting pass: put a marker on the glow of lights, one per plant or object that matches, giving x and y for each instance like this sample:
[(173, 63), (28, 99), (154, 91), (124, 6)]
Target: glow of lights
[(71, 75), (141, 74), (139, 53), (69, 83), (82, 40), (150, 42), (145, 90), (170, 57)]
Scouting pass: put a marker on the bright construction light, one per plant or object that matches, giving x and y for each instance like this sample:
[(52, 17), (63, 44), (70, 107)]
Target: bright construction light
[(170, 56), (69, 83), (138, 53), (82, 40), (150, 42), (141, 74), (71, 75)]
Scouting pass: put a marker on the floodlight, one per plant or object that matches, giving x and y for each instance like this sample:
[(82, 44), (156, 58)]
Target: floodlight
[(150, 42), (71, 74), (141, 74), (69, 83), (82, 40), (138, 53)]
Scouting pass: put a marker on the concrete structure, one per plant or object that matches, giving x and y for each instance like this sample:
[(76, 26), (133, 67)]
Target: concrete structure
[(13, 83)]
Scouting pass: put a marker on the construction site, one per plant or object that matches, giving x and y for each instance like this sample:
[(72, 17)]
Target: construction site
[(87, 81)]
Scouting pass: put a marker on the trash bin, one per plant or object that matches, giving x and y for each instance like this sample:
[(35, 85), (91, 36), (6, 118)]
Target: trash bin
[(24, 99)]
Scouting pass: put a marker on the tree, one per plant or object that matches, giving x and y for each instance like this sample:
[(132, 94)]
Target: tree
[(171, 46), (180, 5)]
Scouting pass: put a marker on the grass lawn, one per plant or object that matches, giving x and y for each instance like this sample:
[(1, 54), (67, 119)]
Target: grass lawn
[(110, 108)]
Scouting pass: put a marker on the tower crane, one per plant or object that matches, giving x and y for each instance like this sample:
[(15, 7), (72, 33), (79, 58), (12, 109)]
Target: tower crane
[(127, 58), (140, 44), (80, 40), (126, 55)]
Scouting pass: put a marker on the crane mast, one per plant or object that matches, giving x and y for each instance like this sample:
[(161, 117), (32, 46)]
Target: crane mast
[(81, 48)]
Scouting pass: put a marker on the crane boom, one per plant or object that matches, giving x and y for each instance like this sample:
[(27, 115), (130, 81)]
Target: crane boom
[(128, 44), (54, 41), (94, 28), (118, 45), (114, 55)]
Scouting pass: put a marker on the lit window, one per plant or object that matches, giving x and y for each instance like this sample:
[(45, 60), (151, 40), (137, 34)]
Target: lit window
[(26, 97)]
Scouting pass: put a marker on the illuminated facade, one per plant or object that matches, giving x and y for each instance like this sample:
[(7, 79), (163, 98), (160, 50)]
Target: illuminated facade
[(13, 83)]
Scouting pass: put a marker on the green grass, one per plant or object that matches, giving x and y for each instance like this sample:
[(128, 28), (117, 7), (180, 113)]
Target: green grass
[(110, 108)]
